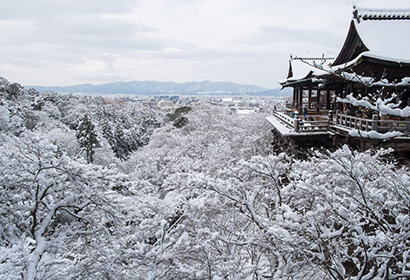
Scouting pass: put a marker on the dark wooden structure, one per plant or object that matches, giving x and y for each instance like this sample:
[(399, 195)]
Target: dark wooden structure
[(366, 53), (376, 47)]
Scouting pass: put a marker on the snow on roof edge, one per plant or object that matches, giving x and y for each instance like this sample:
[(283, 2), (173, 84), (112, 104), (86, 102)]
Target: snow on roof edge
[(371, 55), (380, 14)]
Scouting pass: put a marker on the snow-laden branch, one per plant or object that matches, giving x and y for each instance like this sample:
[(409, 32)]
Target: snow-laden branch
[(40, 241), (381, 105)]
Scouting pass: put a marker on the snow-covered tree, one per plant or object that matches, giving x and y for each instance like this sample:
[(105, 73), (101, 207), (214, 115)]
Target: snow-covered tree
[(48, 201), (337, 216), (87, 138)]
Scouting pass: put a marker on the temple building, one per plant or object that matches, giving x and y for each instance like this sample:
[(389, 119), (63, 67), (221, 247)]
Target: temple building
[(360, 96)]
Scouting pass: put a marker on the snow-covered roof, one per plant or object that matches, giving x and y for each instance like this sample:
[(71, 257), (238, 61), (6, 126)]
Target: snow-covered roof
[(377, 34), (369, 54), (361, 14), (389, 39), (302, 70)]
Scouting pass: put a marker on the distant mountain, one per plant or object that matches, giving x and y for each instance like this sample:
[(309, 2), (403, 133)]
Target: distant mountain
[(169, 88)]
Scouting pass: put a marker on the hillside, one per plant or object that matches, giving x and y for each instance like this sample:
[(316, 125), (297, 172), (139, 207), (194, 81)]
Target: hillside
[(91, 189)]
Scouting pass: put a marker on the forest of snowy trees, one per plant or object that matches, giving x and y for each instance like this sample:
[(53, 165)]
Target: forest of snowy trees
[(91, 189)]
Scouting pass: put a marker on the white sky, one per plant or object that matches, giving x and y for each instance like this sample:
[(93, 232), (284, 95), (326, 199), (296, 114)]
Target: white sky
[(62, 42)]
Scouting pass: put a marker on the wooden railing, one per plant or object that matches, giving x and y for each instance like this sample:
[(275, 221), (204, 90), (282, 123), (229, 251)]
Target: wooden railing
[(287, 120), (280, 106), (351, 122), (354, 122), (302, 126), (391, 125), (382, 126), (289, 105), (313, 126)]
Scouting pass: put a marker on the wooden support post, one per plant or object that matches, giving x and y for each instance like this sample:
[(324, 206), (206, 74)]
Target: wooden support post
[(328, 100), (329, 118), (296, 122), (375, 125)]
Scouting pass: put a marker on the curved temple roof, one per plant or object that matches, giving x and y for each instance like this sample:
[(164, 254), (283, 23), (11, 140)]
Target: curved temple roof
[(299, 69), (377, 33)]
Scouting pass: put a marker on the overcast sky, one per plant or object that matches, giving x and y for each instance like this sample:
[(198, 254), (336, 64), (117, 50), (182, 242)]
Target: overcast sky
[(63, 42)]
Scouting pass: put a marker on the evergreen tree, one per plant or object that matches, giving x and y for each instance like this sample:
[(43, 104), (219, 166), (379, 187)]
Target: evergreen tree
[(180, 122), (121, 147), (107, 131), (87, 137)]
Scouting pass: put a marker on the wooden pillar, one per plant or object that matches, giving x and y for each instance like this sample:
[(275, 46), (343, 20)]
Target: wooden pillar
[(345, 90), (300, 98), (328, 100), (406, 99), (310, 96), (339, 93)]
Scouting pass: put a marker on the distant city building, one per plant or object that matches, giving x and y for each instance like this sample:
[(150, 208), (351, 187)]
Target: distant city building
[(227, 100)]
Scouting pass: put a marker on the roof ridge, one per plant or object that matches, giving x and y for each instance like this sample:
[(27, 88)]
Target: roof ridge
[(320, 58), (380, 14)]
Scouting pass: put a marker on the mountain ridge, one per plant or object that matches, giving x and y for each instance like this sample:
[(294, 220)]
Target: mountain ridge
[(156, 87)]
